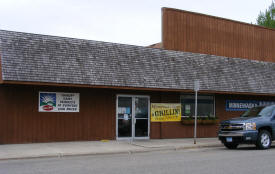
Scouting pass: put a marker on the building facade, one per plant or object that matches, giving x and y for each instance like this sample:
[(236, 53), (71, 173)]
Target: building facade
[(199, 33), (64, 89)]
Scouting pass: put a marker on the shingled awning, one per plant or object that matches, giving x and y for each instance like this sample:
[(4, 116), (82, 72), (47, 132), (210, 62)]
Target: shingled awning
[(29, 57)]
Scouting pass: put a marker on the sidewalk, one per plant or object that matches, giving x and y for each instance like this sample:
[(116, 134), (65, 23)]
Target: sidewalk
[(39, 150)]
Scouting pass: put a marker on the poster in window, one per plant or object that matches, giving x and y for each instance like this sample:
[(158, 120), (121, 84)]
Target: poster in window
[(124, 110), (187, 109)]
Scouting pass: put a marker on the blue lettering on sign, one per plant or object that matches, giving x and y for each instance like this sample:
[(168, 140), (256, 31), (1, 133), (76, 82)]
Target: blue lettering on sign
[(244, 105)]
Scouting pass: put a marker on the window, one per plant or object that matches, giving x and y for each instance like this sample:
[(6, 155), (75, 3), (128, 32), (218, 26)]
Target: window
[(261, 111), (205, 105)]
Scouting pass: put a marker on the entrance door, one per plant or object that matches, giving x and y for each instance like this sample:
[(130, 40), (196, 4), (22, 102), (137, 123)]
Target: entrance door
[(132, 117)]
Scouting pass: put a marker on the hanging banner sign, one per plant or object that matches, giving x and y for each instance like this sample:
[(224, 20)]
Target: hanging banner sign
[(164, 112), (244, 105), (58, 102)]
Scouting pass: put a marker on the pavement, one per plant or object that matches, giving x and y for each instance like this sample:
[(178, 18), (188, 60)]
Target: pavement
[(62, 149)]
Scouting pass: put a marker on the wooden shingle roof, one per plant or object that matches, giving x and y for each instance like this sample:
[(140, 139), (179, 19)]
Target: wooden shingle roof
[(29, 57)]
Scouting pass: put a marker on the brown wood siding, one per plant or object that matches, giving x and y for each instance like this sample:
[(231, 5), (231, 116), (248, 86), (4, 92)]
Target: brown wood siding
[(157, 128), (177, 129), (22, 123), (198, 33), (221, 104), (1, 80)]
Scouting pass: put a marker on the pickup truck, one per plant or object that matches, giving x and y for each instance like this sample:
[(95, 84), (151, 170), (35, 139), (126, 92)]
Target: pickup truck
[(255, 126)]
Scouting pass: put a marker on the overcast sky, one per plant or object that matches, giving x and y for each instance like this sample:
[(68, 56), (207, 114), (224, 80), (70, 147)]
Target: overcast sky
[(135, 22)]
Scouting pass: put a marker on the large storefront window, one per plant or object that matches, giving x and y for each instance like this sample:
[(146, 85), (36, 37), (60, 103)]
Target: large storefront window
[(205, 105)]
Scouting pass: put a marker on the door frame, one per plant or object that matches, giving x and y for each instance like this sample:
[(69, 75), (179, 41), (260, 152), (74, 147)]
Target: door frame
[(133, 116)]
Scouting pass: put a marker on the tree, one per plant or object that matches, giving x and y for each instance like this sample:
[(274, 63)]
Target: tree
[(267, 19)]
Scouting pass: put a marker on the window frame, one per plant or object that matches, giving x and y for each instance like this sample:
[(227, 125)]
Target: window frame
[(193, 94)]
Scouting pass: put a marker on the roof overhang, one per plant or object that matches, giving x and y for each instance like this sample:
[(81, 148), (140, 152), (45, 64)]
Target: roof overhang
[(19, 83)]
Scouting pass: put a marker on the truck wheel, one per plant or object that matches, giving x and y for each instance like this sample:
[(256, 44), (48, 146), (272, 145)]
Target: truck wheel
[(231, 145), (264, 140)]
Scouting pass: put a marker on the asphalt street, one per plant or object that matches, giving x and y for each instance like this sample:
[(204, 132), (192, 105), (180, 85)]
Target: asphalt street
[(195, 161)]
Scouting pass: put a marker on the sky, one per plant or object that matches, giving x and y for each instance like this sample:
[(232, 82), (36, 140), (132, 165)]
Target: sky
[(134, 22)]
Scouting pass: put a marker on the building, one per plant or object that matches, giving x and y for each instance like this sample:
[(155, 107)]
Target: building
[(64, 89), (199, 33)]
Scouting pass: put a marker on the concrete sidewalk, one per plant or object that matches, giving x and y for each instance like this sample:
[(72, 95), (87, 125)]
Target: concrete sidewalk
[(39, 150)]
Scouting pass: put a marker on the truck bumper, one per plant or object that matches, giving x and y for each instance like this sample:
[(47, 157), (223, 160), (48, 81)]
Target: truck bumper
[(240, 137)]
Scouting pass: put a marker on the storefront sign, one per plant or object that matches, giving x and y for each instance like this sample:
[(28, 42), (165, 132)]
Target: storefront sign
[(58, 102), (243, 105), (164, 112)]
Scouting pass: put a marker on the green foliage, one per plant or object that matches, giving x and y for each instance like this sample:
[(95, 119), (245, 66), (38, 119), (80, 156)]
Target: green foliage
[(267, 19), (200, 120), (209, 117)]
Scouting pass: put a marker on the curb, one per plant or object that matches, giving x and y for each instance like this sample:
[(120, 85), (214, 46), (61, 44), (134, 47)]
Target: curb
[(145, 150)]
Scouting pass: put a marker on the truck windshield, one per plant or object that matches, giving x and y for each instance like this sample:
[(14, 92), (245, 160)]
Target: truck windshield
[(258, 112)]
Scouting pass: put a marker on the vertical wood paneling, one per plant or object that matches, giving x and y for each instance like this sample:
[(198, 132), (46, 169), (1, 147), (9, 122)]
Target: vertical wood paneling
[(22, 123), (0, 71), (221, 103), (192, 32), (177, 130)]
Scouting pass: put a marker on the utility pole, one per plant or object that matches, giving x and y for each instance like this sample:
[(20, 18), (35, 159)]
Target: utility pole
[(196, 89)]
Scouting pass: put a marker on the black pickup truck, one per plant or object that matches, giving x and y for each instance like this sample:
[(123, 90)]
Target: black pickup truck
[(255, 126)]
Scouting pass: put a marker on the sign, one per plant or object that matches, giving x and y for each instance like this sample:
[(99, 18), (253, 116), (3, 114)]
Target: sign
[(58, 102), (244, 105), (124, 110), (187, 109), (164, 112)]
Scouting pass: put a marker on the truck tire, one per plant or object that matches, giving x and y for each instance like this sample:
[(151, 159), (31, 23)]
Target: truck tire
[(231, 145), (264, 140)]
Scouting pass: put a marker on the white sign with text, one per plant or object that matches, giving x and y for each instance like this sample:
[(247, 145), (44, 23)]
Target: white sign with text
[(58, 102)]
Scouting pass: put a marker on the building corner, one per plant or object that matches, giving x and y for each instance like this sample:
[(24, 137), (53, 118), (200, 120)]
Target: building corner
[(1, 78)]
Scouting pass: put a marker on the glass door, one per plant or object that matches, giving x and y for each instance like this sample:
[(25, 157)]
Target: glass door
[(141, 117), (133, 117), (124, 117)]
